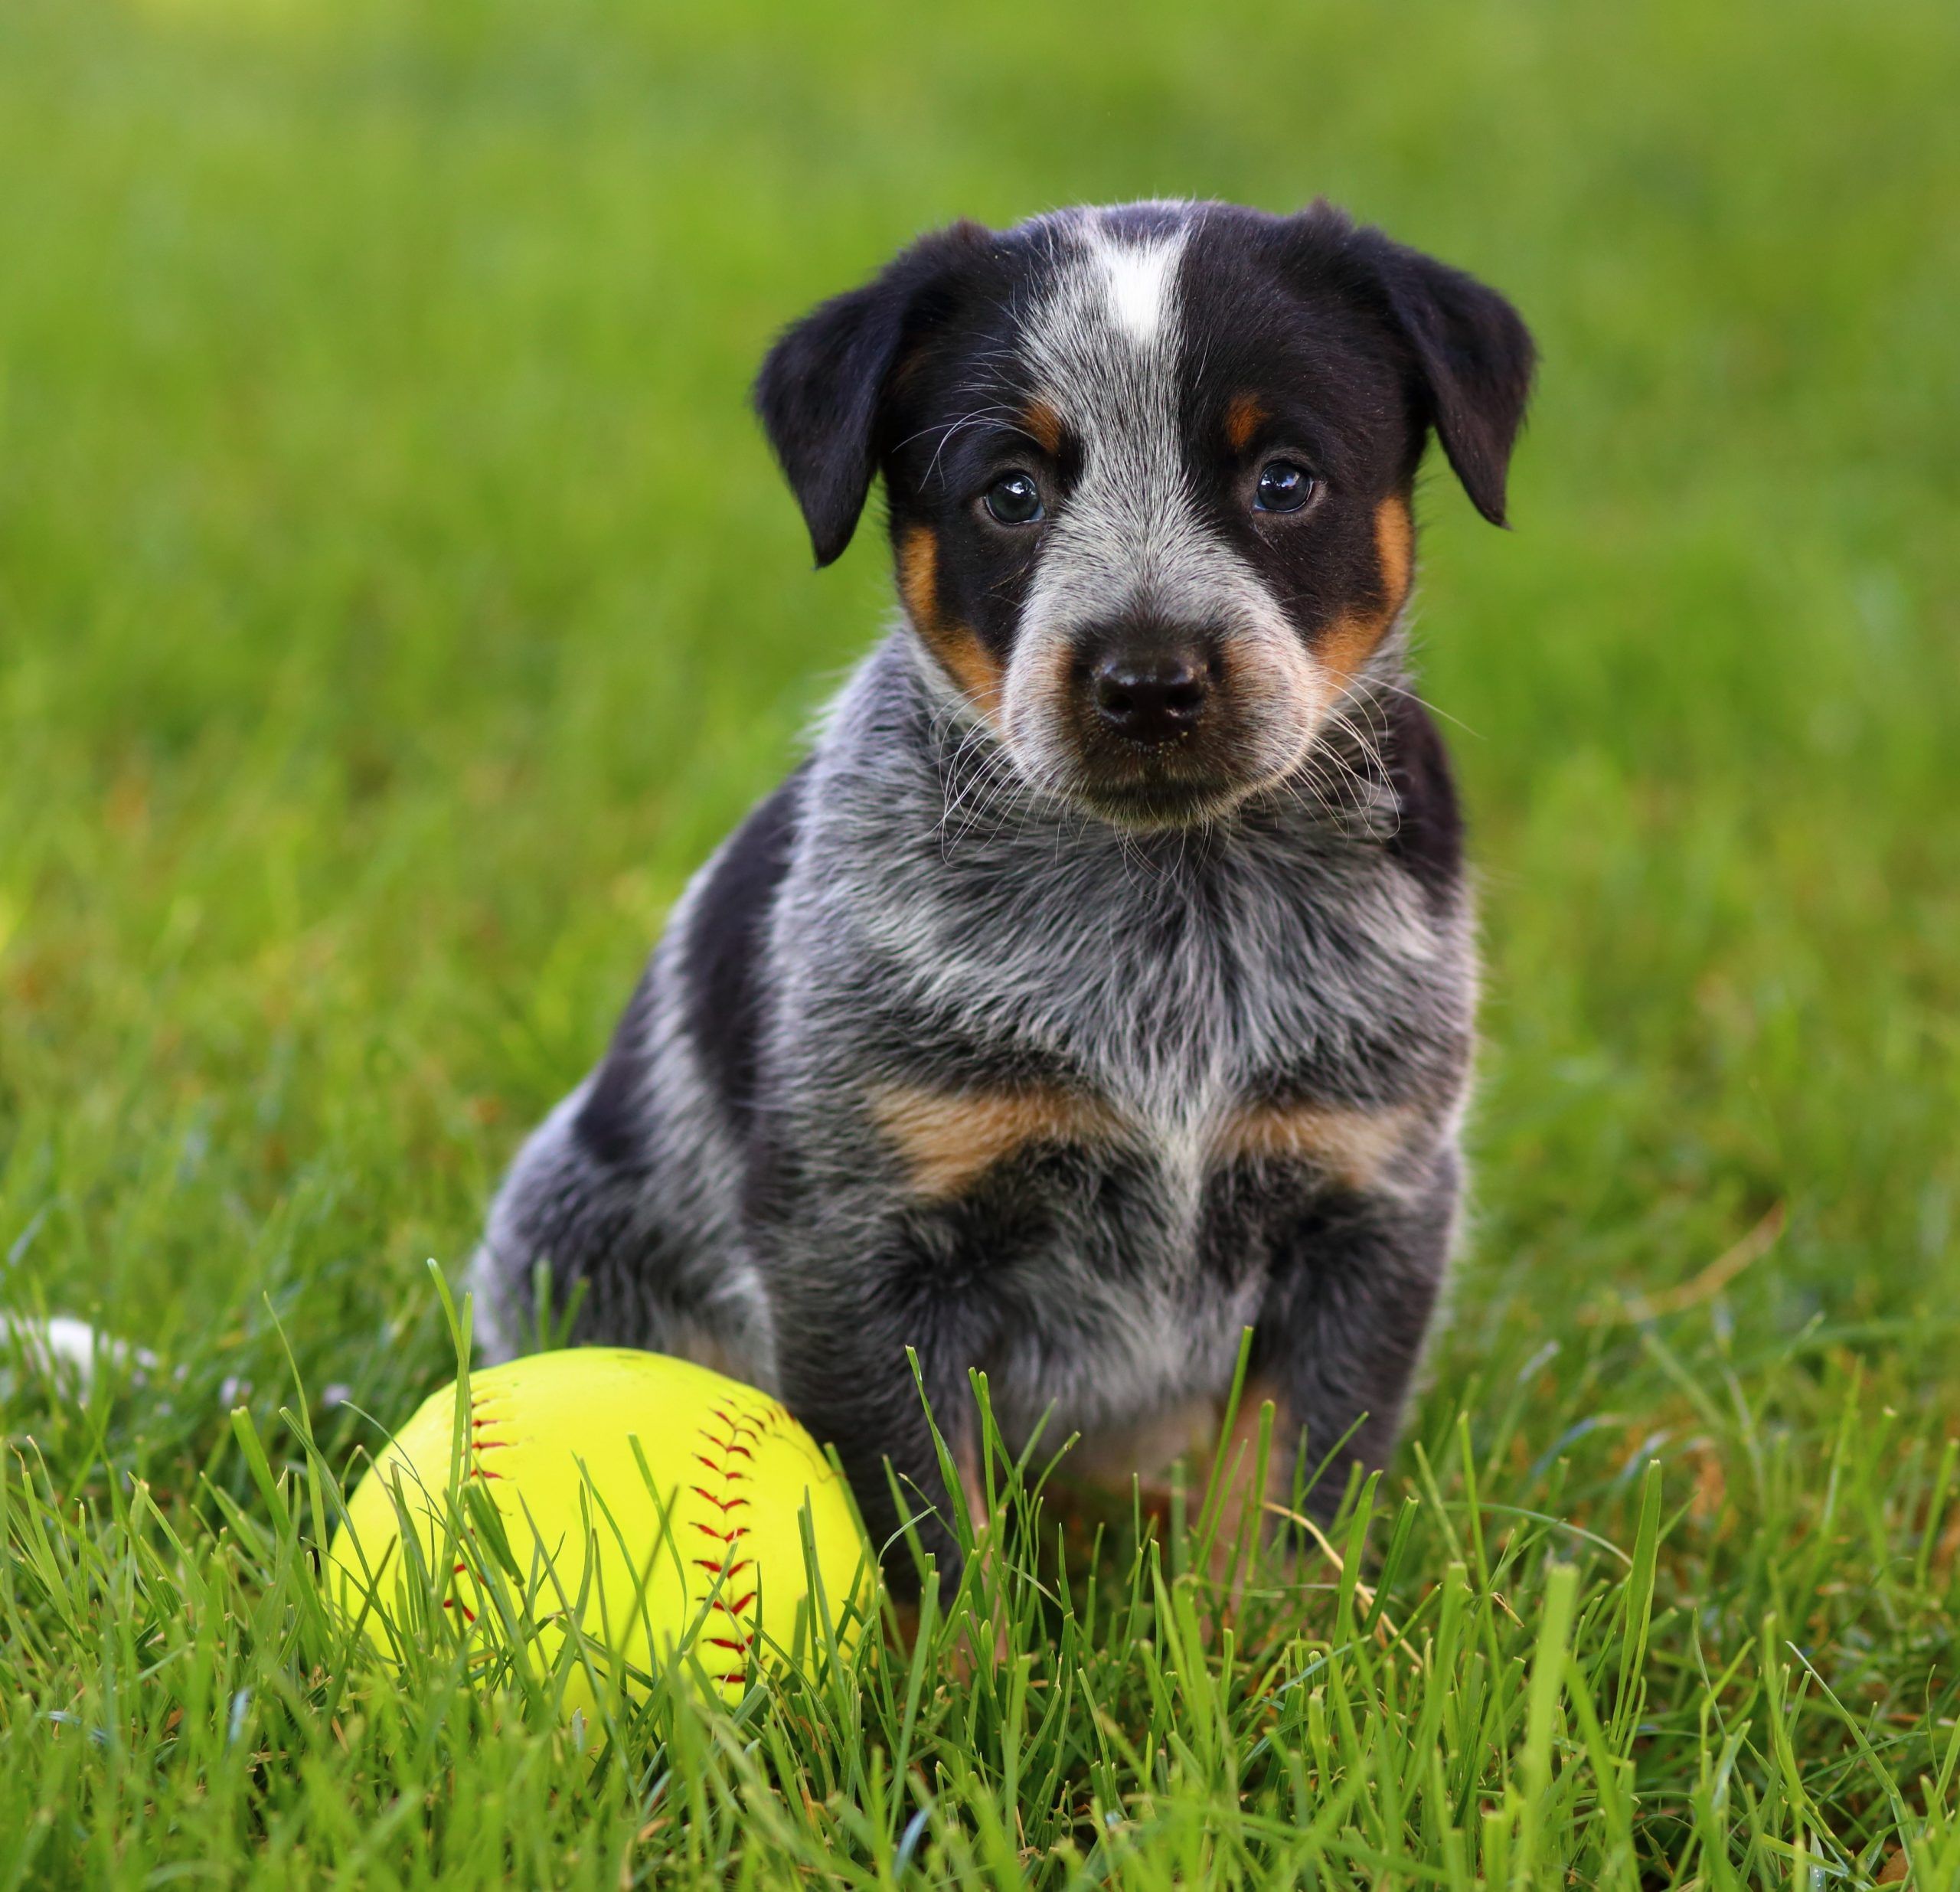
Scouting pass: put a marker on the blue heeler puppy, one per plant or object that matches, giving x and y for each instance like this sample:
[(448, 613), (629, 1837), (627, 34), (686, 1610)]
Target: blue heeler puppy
[(1102, 985)]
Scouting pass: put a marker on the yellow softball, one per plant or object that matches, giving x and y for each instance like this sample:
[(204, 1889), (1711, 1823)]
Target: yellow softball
[(695, 1539)]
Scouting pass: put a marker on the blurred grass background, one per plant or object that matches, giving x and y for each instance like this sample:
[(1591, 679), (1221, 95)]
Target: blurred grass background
[(397, 603)]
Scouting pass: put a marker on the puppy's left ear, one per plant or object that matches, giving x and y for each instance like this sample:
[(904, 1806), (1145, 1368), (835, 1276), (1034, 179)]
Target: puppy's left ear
[(1474, 356), (822, 386)]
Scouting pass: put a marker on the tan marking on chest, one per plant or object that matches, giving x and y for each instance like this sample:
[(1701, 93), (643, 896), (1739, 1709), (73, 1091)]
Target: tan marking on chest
[(950, 1139), (1353, 1147), (1352, 638), (961, 654)]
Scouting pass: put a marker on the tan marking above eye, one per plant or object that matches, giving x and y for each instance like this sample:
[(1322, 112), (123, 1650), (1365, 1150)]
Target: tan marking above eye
[(1244, 415), (1042, 425), (1354, 1147), (950, 1139), (961, 655)]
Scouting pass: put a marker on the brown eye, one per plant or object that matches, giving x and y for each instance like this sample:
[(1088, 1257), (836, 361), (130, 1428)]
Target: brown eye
[(1284, 486), (1014, 499)]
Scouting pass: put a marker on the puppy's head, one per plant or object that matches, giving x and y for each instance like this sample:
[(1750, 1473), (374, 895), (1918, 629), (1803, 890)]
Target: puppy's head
[(1148, 471)]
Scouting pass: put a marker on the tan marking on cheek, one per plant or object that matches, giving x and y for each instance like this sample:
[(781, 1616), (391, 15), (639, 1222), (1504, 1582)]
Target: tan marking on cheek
[(972, 666), (1243, 416), (1347, 643), (965, 659), (1395, 548), (918, 577), (950, 1139), (1353, 1147), (1042, 426)]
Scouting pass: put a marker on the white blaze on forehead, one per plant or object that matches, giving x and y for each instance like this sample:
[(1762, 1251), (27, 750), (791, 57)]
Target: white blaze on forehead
[(1110, 288), (1140, 278), (1106, 345), (1105, 342)]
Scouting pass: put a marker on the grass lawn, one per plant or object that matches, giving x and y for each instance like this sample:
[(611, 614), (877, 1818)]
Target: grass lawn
[(396, 604)]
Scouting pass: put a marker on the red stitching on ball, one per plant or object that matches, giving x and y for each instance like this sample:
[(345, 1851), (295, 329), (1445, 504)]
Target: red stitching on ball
[(479, 1424), (741, 1432)]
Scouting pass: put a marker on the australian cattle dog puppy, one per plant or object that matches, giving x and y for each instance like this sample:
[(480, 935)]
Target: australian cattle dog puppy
[(1101, 984)]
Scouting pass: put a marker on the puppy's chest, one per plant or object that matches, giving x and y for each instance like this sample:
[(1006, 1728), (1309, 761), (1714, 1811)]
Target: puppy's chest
[(1266, 1031)]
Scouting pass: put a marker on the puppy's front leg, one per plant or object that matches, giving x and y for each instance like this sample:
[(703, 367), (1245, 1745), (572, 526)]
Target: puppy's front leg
[(843, 1331), (1355, 1276)]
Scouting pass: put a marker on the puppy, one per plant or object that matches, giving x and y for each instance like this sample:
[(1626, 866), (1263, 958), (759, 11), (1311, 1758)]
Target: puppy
[(1102, 985)]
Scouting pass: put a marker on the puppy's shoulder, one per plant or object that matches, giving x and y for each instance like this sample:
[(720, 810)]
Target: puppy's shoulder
[(708, 974), (725, 940)]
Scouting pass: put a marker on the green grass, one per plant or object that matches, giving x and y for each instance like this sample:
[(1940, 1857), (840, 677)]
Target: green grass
[(396, 603)]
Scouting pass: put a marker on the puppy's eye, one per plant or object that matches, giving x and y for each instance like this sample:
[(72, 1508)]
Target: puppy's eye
[(1014, 499), (1284, 486)]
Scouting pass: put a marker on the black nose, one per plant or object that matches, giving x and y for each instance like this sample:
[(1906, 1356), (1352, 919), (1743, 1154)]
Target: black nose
[(1151, 696)]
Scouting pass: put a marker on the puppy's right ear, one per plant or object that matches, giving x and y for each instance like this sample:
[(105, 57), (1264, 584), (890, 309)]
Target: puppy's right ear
[(822, 386)]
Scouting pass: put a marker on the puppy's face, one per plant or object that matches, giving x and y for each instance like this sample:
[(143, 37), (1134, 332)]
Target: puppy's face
[(1148, 473)]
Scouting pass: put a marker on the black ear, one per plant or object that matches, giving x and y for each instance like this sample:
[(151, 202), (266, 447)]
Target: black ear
[(1475, 355), (822, 386)]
